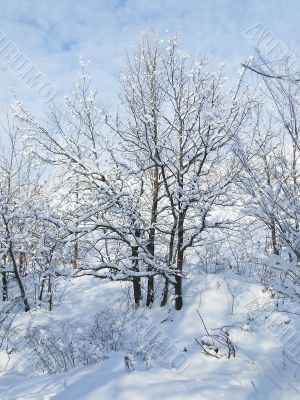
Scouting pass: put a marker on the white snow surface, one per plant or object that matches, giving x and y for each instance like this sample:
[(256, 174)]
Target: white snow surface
[(262, 369)]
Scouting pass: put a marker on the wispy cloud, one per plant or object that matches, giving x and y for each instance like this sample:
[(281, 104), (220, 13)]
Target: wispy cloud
[(54, 34)]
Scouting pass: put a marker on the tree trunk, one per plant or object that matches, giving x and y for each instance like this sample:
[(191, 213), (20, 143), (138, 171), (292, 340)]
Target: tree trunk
[(50, 293), (4, 286), (179, 265), (150, 291), (137, 290), (18, 278), (180, 225), (4, 281), (15, 267), (178, 293), (22, 268), (42, 288), (75, 254), (274, 238), (151, 248), (150, 286), (76, 245), (151, 243), (165, 292)]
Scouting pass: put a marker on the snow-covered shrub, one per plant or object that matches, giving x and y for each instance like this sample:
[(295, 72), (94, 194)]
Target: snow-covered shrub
[(64, 345), (212, 259), (10, 331), (58, 347), (107, 331)]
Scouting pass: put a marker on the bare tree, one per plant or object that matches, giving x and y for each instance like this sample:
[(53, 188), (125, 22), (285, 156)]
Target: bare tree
[(18, 187), (275, 186), (179, 126)]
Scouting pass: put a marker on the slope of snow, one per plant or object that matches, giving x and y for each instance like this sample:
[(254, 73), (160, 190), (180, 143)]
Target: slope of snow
[(263, 368)]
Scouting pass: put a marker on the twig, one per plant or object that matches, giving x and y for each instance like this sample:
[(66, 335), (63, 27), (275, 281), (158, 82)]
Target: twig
[(282, 77), (203, 323), (205, 351)]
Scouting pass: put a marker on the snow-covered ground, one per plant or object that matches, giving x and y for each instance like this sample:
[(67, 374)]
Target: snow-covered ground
[(265, 366)]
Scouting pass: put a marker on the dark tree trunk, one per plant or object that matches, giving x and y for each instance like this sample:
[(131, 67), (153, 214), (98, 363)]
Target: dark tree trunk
[(151, 243), (273, 223), (4, 281), (137, 291), (137, 287), (4, 286), (180, 226), (179, 265), (15, 268), (178, 293), (19, 279), (76, 245), (274, 238), (165, 292), (22, 268), (50, 293), (42, 288), (150, 291), (150, 286), (75, 255)]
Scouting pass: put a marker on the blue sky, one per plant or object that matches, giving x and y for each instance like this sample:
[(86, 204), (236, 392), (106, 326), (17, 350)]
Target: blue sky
[(54, 33)]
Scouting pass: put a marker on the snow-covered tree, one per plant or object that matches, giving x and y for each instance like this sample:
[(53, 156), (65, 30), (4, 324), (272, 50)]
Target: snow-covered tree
[(178, 128)]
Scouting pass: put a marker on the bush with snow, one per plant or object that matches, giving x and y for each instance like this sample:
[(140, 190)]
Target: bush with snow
[(64, 345)]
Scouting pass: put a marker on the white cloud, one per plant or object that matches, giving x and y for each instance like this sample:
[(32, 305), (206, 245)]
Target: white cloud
[(54, 34)]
